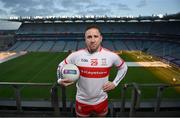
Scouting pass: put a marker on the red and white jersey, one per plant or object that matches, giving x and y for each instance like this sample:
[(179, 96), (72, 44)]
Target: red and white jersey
[(94, 72)]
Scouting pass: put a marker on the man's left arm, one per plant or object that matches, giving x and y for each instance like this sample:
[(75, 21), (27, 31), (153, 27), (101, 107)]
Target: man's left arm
[(122, 70)]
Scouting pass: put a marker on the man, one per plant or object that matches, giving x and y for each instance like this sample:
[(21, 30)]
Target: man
[(94, 64)]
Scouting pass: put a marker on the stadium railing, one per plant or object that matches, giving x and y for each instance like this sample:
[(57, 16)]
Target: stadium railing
[(136, 95), (16, 86), (135, 99), (68, 109)]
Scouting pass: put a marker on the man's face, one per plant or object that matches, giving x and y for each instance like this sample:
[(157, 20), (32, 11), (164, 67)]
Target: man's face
[(93, 39)]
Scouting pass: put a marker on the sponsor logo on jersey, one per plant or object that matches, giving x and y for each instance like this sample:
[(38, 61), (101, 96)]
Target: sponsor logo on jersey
[(94, 72)]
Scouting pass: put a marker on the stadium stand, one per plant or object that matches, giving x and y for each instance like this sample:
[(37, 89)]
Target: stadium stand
[(22, 46), (47, 45), (58, 46), (81, 45), (109, 45), (6, 39), (71, 45), (35, 46), (158, 38), (119, 45), (15, 46)]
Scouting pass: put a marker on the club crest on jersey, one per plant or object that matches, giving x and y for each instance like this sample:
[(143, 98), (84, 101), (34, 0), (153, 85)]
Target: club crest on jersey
[(104, 62), (94, 62)]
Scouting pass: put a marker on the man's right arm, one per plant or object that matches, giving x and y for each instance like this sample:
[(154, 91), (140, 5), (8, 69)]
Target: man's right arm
[(60, 80)]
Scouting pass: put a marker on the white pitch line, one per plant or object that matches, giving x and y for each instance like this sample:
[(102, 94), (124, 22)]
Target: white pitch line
[(147, 64)]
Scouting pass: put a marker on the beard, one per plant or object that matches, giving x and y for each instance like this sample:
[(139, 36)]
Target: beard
[(93, 48)]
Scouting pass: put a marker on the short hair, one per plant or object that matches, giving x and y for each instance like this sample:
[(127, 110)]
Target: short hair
[(95, 27)]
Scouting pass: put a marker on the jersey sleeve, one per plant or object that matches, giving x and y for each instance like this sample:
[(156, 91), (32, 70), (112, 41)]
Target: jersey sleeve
[(122, 69)]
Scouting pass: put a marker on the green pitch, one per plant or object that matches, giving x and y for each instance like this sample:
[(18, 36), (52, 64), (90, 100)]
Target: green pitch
[(40, 67)]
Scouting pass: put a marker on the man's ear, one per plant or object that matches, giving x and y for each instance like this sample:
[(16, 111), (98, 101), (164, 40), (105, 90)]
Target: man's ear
[(101, 38)]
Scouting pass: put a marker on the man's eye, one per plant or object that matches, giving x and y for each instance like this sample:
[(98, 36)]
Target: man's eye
[(89, 37)]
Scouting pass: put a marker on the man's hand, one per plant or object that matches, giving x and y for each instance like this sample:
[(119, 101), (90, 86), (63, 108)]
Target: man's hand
[(65, 82), (108, 86)]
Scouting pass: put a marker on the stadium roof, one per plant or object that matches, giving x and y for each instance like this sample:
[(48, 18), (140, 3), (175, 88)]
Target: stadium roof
[(54, 19)]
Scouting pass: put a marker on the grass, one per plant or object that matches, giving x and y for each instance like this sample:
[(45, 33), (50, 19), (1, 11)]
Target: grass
[(33, 67), (40, 67)]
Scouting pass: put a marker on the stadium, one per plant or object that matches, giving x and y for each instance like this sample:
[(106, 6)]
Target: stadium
[(149, 45)]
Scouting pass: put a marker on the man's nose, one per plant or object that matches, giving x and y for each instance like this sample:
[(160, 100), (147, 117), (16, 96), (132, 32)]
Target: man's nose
[(93, 39)]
